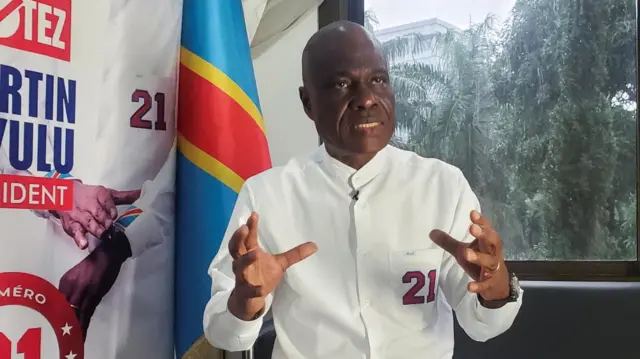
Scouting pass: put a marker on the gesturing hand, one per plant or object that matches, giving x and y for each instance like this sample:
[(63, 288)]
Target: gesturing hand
[(481, 259), (258, 272)]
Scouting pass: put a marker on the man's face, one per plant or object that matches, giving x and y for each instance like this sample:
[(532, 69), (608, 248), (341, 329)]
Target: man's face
[(349, 97)]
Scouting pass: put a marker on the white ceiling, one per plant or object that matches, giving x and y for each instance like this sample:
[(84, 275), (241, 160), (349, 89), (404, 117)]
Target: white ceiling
[(268, 20)]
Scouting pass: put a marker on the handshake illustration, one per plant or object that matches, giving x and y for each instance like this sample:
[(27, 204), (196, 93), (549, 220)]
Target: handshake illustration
[(94, 213)]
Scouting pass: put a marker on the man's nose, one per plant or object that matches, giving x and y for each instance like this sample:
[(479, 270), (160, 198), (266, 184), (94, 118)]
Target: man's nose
[(363, 99)]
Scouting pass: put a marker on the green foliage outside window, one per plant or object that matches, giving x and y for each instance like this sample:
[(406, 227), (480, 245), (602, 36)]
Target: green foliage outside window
[(540, 115)]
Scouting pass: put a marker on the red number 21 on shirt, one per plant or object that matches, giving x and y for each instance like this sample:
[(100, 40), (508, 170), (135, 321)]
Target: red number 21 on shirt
[(412, 296)]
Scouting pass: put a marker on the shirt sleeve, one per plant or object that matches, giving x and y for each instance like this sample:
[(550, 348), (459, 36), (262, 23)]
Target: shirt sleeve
[(222, 329), (479, 322), (149, 220)]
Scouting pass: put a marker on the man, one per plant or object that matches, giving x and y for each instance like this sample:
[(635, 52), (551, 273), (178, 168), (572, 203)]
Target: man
[(354, 250)]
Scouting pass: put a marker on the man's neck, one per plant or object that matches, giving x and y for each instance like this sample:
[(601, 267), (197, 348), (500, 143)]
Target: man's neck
[(355, 161)]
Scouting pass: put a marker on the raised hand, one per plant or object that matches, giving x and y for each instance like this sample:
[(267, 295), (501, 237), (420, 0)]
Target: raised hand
[(482, 259), (257, 272), (94, 210)]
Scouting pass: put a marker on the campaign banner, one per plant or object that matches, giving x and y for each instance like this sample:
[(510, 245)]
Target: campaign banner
[(87, 167)]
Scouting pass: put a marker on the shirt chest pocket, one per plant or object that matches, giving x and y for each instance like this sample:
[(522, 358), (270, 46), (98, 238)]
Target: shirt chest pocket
[(414, 276)]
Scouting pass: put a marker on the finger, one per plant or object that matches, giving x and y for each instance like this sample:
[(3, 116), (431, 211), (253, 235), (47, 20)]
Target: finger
[(74, 293), (474, 245), (488, 239), (252, 238), (86, 312), (480, 287), (484, 260), (236, 243), (94, 228), (79, 235), (83, 217), (78, 313), (106, 202), (125, 197), (486, 226), (295, 255), (100, 214), (243, 262), (446, 242), (74, 230), (479, 219), (252, 291), (492, 238), (472, 269)]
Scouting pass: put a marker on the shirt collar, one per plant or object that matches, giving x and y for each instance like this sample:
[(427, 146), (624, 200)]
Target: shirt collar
[(355, 178)]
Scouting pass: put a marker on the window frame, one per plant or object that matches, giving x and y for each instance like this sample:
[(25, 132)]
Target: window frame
[(353, 10)]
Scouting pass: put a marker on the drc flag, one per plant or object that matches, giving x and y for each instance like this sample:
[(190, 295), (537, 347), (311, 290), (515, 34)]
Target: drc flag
[(221, 143)]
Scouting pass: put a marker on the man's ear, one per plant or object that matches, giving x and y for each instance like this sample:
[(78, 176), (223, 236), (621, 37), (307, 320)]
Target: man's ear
[(306, 101)]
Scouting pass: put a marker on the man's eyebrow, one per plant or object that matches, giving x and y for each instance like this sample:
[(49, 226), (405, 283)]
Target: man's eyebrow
[(341, 73), (346, 73), (380, 69)]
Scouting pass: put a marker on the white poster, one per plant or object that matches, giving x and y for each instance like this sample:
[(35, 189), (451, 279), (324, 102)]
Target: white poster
[(87, 157)]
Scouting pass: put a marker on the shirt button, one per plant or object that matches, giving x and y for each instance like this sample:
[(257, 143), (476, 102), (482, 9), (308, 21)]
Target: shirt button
[(367, 303), (364, 254)]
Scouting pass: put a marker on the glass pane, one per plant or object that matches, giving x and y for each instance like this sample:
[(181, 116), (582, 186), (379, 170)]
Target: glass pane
[(535, 101)]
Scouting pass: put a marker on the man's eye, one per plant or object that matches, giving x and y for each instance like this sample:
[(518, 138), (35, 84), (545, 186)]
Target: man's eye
[(378, 80), (342, 84)]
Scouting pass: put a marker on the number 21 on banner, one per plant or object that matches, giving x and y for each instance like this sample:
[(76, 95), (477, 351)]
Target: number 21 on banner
[(143, 97), (28, 345)]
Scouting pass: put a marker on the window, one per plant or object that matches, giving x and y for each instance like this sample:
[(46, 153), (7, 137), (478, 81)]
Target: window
[(535, 101)]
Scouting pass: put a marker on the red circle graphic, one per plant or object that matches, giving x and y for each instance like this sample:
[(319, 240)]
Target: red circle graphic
[(54, 308)]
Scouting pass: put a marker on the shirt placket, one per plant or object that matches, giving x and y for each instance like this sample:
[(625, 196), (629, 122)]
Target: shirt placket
[(362, 231)]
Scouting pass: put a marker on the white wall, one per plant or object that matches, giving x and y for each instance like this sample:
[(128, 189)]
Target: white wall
[(278, 74)]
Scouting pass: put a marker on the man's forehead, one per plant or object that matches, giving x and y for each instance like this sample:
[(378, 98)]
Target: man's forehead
[(342, 48), (365, 54), (353, 62), (355, 38), (346, 65)]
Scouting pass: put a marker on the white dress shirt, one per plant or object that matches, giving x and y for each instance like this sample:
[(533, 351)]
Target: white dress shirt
[(346, 300)]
